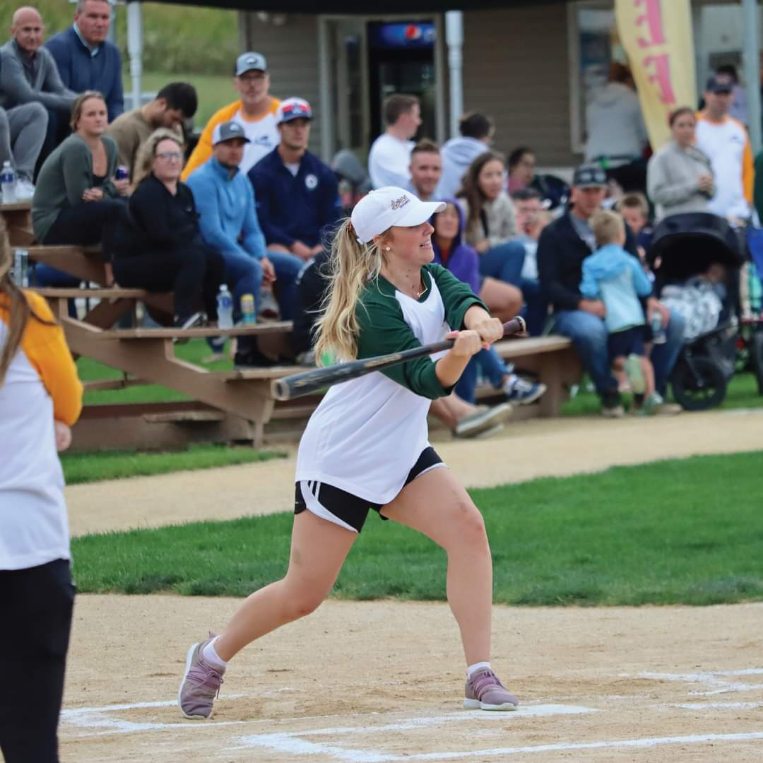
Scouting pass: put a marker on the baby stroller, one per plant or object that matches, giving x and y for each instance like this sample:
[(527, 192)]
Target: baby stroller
[(695, 258)]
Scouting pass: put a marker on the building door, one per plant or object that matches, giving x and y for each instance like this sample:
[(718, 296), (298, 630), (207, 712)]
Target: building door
[(401, 59)]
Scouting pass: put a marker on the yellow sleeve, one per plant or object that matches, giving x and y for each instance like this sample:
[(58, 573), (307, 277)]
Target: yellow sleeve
[(748, 171), (203, 149), (45, 346)]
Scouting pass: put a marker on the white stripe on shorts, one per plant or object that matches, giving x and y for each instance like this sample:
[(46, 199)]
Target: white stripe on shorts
[(312, 503)]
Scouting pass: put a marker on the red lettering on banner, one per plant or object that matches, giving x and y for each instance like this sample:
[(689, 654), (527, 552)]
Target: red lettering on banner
[(660, 76), (651, 19)]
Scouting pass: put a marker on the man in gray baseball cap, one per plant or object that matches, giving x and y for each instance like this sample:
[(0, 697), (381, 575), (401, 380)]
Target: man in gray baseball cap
[(255, 111)]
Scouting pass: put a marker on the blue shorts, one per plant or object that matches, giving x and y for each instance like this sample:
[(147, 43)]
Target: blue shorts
[(628, 342), (348, 510)]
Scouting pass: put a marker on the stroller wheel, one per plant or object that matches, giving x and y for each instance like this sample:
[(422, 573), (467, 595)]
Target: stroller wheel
[(756, 357), (698, 383)]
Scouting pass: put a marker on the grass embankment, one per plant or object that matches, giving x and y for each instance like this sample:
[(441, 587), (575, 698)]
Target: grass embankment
[(680, 531)]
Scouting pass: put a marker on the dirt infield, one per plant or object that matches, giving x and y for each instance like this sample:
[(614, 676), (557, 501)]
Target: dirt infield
[(383, 681)]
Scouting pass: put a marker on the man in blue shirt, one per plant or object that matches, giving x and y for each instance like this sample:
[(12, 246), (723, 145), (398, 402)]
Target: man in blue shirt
[(226, 205), (85, 58), (297, 194)]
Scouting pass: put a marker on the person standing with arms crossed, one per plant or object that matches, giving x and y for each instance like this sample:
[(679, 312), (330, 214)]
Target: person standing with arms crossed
[(385, 296), (40, 399)]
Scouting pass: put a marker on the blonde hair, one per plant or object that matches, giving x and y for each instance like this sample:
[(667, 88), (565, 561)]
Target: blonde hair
[(147, 152), (79, 104), (608, 227), (12, 301), (353, 265)]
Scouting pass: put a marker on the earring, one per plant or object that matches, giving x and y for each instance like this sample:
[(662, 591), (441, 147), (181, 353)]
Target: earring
[(387, 248)]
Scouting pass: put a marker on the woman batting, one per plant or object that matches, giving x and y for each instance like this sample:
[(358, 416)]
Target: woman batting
[(366, 445)]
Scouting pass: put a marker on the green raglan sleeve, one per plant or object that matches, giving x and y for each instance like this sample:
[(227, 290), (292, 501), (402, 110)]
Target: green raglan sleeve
[(456, 295), (383, 330)]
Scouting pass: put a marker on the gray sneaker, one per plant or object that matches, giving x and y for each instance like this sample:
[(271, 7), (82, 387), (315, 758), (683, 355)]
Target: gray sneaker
[(482, 420), (200, 684), (484, 691)]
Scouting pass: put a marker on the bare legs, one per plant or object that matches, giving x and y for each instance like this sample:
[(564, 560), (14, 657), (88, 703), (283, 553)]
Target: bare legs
[(434, 504), (438, 506), (318, 550), (502, 299)]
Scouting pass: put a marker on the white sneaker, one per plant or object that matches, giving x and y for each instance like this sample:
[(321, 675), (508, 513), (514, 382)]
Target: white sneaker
[(24, 189)]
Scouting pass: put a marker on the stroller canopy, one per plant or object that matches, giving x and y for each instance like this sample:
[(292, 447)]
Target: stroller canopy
[(686, 245)]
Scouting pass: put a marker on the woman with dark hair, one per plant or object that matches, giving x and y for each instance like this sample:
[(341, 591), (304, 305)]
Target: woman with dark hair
[(40, 399), (679, 175), (521, 168), (159, 246), (77, 200)]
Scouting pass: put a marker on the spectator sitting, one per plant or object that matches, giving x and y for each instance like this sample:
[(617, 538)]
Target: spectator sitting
[(726, 143), (521, 169), (86, 59), (502, 299), (491, 221), (680, 175), (458, 153), (615, 277), (255, 111), (22, 134), (463, 262), (29, 75), (228, 223), (297, 196), (173, 105), (562, 247), (634, 208), (390, 154), (616, 132), (159, 246), (77, 200), (532, 218), (425, 169)]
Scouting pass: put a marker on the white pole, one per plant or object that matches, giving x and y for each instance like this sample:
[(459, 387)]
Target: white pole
[(454, 38), (325, 100), (751, 61), (135, 49)]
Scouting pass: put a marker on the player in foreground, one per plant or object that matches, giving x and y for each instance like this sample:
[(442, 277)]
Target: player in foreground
[(40, 399), (366, 445)]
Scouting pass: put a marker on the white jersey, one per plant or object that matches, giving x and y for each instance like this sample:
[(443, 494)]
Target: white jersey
[(389, 160), (34, 528), (728, 147), (263, 136)]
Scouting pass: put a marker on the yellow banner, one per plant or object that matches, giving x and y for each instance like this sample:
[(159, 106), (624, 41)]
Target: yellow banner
[(657, 37)]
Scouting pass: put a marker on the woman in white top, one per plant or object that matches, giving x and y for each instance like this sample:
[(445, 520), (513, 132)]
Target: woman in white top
[(679, 175), (366, 445), (40, 398)]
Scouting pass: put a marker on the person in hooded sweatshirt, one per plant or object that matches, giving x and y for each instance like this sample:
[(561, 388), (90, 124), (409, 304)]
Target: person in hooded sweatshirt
[(616, 135), (458, 153), (616, 278)]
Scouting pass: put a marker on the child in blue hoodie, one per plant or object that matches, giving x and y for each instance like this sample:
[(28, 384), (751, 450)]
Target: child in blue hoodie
[(616, 278)]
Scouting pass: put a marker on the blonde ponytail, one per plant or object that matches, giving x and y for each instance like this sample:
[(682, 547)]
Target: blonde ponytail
[(353, 265)]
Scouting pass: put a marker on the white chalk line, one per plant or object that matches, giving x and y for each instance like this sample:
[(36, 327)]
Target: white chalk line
[(719, 705), (715, 681), (292, 746)]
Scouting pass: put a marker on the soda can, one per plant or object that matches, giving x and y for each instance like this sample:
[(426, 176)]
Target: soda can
[(21, 268), (247, 309), (121, 173)]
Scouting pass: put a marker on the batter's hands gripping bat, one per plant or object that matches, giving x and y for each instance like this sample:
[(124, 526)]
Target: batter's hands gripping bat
[(308, 382)]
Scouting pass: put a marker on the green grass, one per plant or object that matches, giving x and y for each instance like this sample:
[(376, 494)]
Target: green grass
[(680, 531), (93, 467)]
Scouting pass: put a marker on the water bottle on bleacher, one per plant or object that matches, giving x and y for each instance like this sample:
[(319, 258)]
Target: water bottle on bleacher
[(224, 308), (8, 183)]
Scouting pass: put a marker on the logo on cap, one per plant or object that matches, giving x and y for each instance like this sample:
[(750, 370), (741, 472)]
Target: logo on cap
[(399, 203)]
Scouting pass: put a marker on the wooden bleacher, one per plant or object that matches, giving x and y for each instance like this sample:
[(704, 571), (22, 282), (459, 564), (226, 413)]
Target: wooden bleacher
[(221, 405)]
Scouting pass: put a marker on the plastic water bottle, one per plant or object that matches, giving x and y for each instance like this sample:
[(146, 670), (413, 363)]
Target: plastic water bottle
[(224, 308), (21, 268), (658, 332), (248, 317), (8, 183)]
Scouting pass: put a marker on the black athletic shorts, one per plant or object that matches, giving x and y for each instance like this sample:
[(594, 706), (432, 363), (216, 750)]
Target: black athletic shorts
[(349, 508)]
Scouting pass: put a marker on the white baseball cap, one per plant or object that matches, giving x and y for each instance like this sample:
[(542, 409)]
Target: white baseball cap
[(391, 206)]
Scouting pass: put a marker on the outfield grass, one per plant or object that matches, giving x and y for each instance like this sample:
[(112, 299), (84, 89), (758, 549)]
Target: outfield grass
[(680, 531), (94, 467)]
